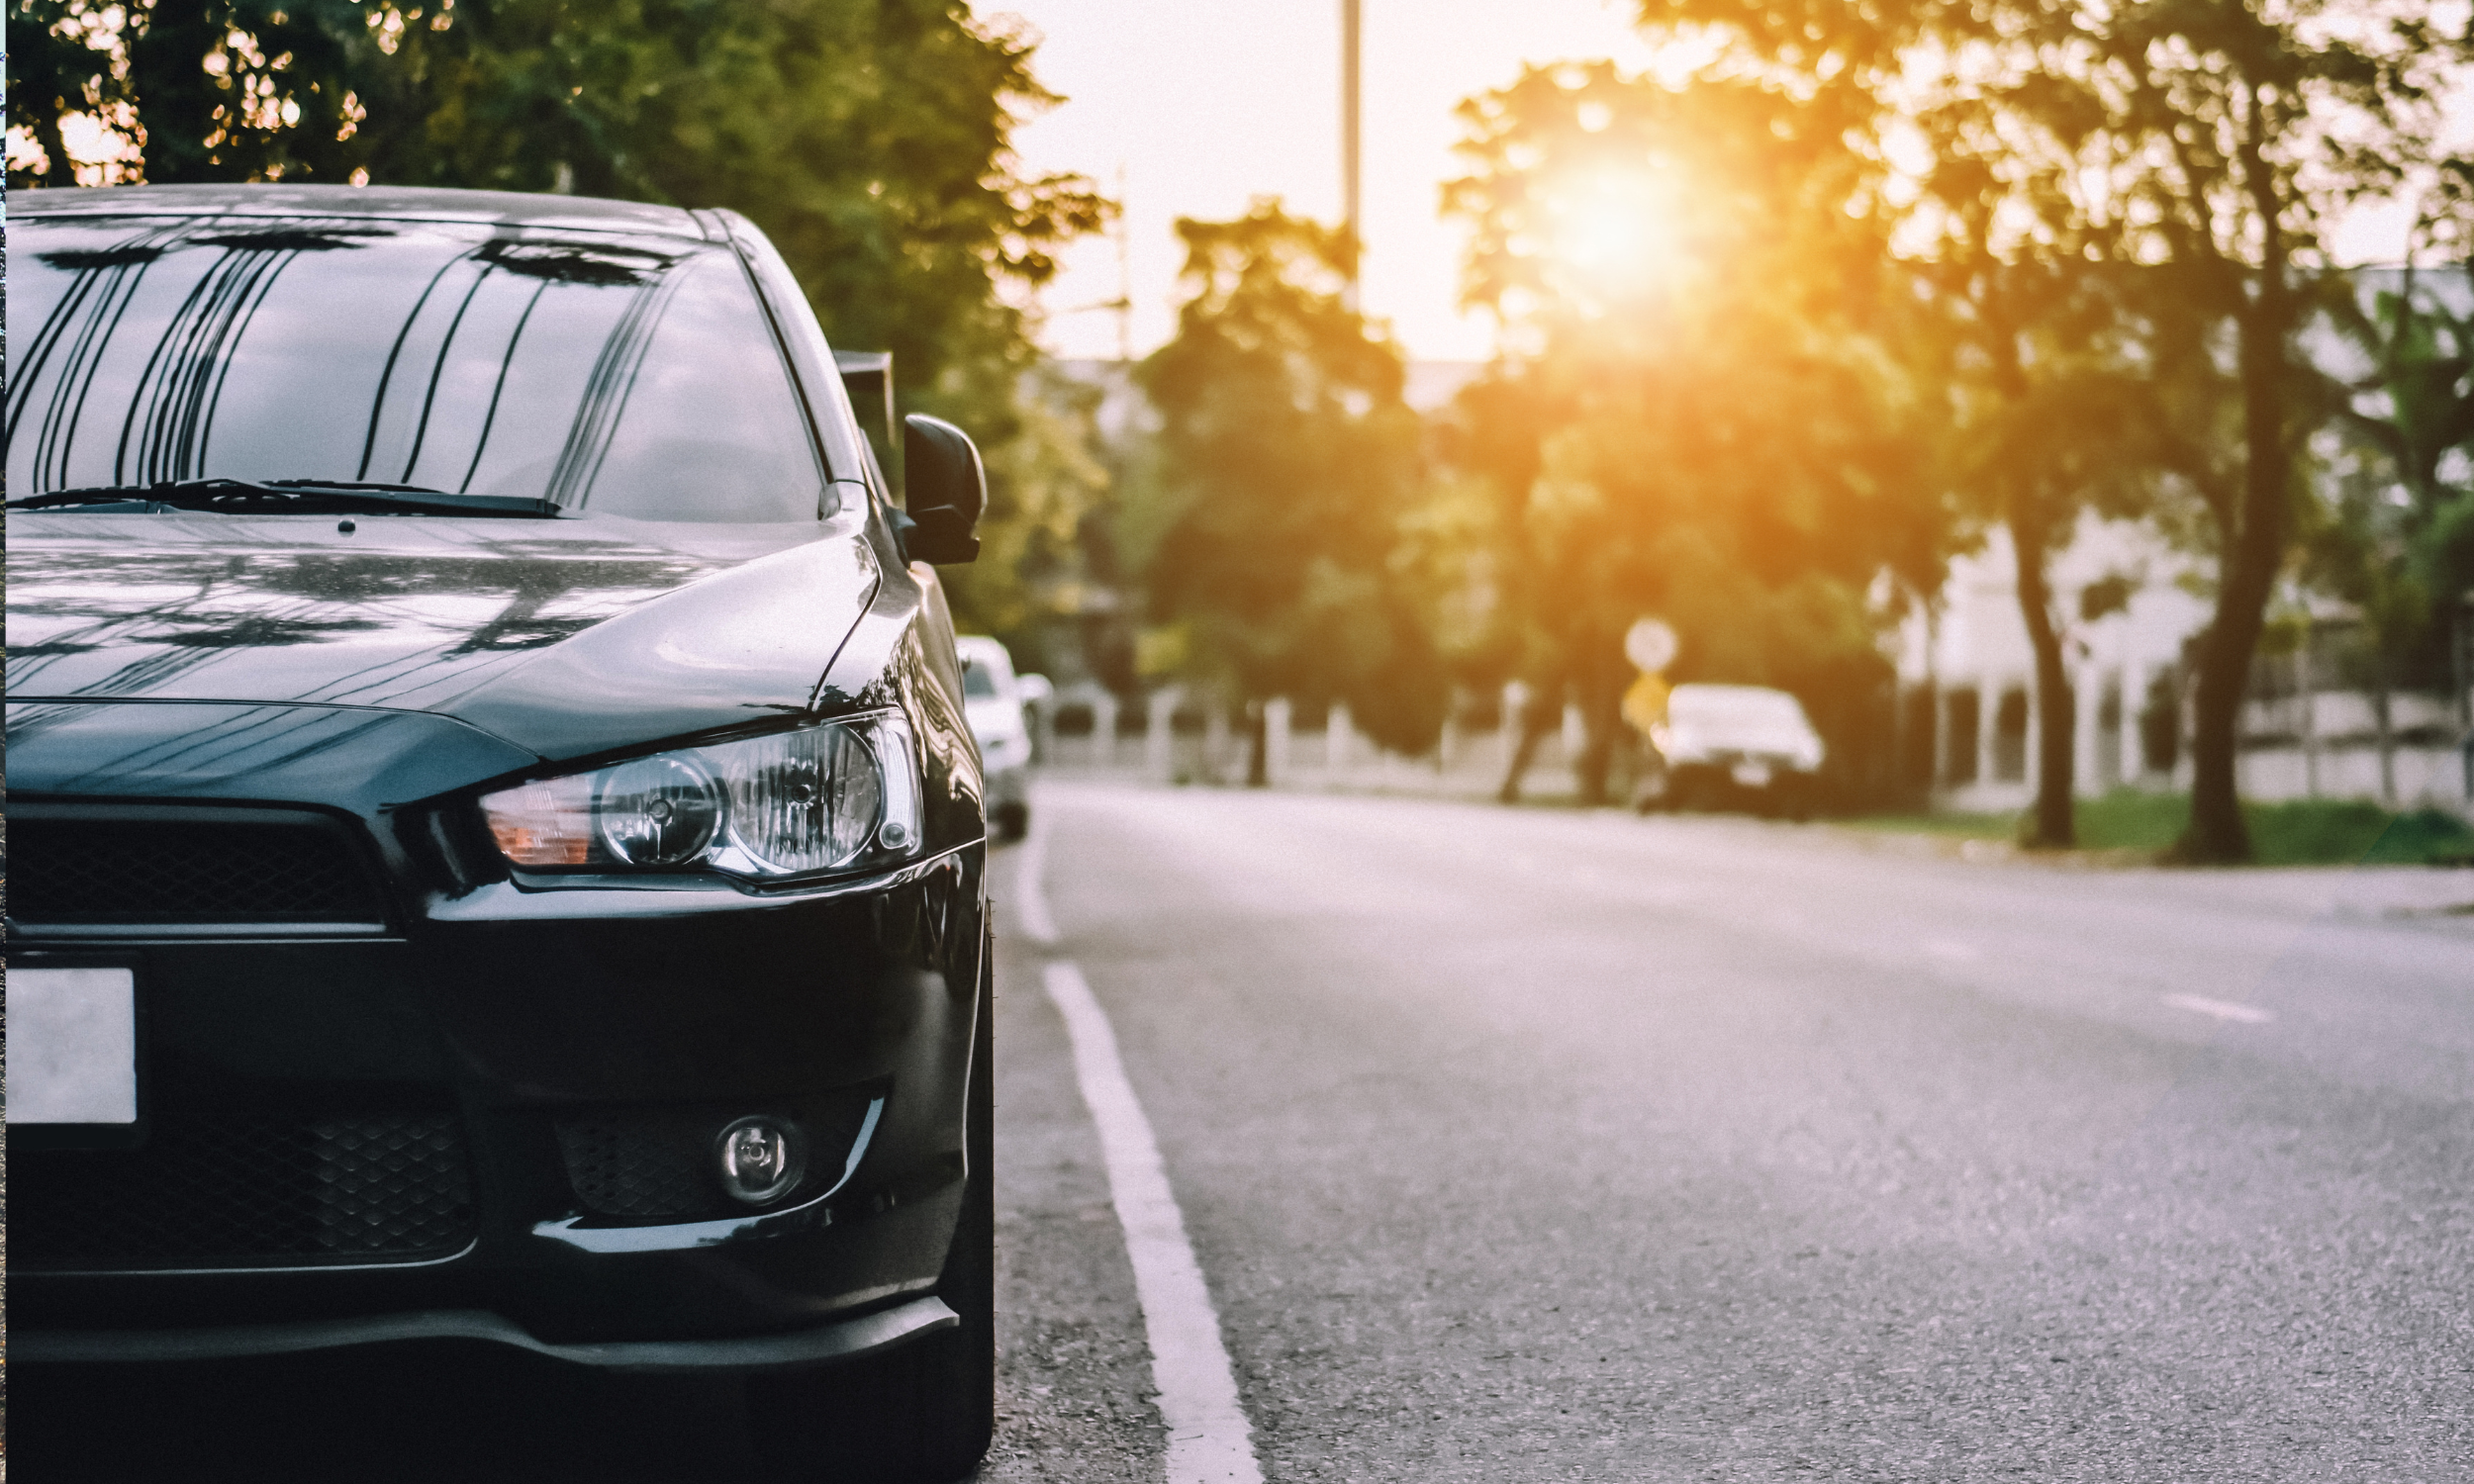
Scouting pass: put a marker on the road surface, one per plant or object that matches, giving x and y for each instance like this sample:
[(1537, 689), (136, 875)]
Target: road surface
[(1529, 1145)]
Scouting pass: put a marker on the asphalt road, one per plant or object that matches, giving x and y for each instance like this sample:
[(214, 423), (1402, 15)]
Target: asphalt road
[(1531, 1145), (1527, 1145)]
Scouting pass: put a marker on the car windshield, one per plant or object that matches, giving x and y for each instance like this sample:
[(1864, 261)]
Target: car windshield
[(1736, 708), (611, 374), (979, 683)]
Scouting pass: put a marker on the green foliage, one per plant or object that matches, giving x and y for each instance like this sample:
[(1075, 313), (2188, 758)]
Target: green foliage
[(190, 91), (1042, 484), (2309, 833), (2294, 832), (1287, 463), (2398, 538), (870, 139)]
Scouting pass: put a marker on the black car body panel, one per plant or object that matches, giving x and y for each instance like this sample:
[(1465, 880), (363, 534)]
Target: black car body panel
[(392, 1085), (556, 636)]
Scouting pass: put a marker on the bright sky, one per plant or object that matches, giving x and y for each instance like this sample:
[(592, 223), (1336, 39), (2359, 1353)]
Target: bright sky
[(1207, 104)]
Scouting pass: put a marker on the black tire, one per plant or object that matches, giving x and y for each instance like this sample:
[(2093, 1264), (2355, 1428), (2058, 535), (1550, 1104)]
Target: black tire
[(1013, 820), (925, 1410)]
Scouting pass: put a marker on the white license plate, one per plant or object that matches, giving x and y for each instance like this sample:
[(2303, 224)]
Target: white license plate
[(72, 1046), (1753, 775)]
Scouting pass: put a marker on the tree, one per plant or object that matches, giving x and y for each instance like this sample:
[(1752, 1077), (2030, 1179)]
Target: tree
[(2211, 140), (1288, 461), (869, 139), (2046, 384), (2397, 539), (2415, 406), (1714, 369)]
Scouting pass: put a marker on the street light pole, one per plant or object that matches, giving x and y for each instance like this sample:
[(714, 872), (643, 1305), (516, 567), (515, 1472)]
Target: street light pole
[(1349, 145)]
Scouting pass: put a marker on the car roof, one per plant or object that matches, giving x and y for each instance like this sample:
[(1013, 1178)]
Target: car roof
[(405, 203), (985, 647)]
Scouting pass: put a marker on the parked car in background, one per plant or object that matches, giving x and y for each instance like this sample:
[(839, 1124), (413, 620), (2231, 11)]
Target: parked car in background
[(496, 851), (1723, 747), (998, 702)]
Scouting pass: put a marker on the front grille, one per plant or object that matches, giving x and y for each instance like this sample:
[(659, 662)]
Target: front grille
[(121, 871), (249, 1188)]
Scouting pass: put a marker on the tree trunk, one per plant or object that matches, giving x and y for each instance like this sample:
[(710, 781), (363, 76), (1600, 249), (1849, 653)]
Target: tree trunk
[(1601, 670), (2382, 698), (2050, 824), (1540, 714), (2253, 530), (2217, 832)]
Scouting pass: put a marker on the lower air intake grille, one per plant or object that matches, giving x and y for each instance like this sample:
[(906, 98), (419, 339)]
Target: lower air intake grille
[(248, 1190), (656, 1162), (643, 1163), (121, 871)]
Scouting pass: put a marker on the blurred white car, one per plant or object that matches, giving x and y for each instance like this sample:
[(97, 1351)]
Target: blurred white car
[(995, 700), (1736, 747)]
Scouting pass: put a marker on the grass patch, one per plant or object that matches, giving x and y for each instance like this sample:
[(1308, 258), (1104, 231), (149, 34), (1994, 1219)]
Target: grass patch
[(2126, 819), (2296, 832), (1949, 826)]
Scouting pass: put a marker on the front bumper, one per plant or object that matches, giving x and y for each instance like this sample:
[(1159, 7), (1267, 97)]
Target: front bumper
[(512, 1018), (1733, 781), (845, 1339)]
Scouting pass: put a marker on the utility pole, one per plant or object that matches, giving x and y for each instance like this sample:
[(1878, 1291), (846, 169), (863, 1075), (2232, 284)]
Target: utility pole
[(1349, 142), (1124, 305)]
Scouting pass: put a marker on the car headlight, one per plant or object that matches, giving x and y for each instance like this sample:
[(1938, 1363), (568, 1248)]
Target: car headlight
[(839, 796)]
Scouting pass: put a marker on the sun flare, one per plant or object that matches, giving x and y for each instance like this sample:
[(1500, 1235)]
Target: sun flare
[(1616, 233)]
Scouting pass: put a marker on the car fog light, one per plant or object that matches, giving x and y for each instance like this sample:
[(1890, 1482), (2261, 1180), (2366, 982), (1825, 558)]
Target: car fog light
[(761, 1158)]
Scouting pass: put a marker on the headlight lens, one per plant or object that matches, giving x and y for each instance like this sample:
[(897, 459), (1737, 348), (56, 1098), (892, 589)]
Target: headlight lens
[(658, 812), (841, 796), (807, 800)]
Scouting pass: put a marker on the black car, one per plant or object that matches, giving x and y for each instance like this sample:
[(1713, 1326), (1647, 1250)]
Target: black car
[(498, 854)]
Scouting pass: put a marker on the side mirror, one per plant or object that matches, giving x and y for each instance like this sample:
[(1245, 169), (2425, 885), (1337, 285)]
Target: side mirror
[(1035, 690), (946, 490)]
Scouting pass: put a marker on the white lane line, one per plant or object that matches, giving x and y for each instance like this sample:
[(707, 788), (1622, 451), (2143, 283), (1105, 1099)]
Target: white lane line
[(2222, 1009), (1030, 892), (1210, 1439)]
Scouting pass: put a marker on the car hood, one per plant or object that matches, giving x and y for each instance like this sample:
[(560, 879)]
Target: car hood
[(562, 637)]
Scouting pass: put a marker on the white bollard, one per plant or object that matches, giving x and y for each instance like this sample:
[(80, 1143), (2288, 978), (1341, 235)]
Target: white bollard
[(1336, 738), (1160, 735), (1276, 716), (1103, 730), (1214, 743)]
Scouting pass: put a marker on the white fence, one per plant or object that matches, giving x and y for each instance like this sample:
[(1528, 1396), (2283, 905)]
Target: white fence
[(2329, 752), (1173, 738)]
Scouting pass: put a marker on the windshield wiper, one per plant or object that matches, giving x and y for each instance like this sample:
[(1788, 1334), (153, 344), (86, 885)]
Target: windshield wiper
[(285, 497)]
